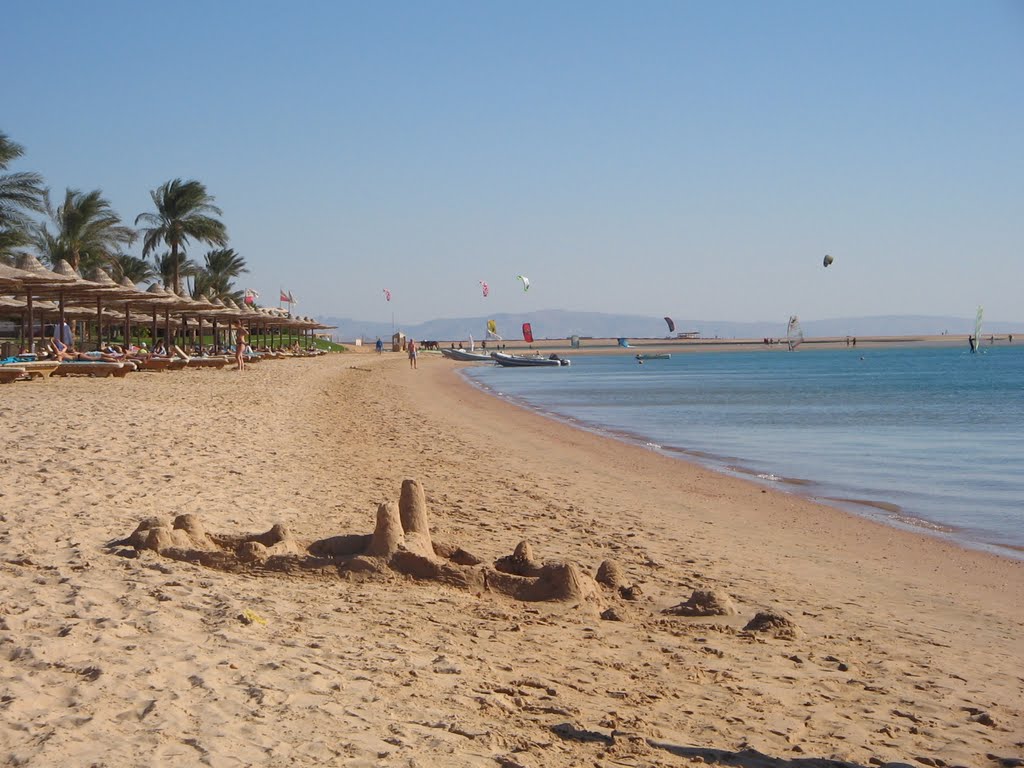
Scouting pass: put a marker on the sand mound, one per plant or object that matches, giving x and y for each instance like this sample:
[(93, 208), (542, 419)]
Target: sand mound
[(610, 574), (401, 542), (772, 623), (704, 602)]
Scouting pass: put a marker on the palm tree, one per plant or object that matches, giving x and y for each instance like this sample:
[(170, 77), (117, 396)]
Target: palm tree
[(135, 269), (184, 210), (19, 192), (222, 265), (88, 232), (167, 266)]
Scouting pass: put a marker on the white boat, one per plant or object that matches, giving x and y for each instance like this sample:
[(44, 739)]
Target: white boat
[(528, 361), (465, 356)]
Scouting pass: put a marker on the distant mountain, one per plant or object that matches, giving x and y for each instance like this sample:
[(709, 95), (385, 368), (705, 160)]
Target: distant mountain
[(560, 324)]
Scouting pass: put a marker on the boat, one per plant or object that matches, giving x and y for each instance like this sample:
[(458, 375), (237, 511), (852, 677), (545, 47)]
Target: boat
[(465, 356), (654, 356), (528, 361)]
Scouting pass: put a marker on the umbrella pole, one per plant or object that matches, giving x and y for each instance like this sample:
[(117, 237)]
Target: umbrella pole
[(127, 323), (61, 319), (152, 344), (31, 323), (99, 323)]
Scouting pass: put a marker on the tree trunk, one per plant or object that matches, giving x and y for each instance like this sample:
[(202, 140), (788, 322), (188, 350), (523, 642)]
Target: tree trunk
[(174, 267)]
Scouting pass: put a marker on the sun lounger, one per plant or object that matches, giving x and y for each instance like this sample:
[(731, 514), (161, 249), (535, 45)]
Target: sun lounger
[(9, 373), (207, 362), (36, 369), (100, 369), (153, 364)]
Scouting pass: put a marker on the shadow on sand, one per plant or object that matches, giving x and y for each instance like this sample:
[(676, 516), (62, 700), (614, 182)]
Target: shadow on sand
[(746, 758)]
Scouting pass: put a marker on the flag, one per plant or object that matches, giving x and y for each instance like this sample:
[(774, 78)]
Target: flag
[(251, 296), (284, 296), (291, 298)]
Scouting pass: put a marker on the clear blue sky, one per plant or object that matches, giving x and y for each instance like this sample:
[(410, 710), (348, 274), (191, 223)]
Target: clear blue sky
[(683, 158)]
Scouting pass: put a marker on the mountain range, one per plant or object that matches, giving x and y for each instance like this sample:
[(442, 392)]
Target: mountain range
[(560, 324)]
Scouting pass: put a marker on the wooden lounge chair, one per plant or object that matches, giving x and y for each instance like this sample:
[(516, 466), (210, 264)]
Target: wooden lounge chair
[(100, 369), (38, 369), (9, 373), (207, 362), (153, 364)]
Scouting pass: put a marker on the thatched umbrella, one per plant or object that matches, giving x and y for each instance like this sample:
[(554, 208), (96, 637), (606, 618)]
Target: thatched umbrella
[(40, 281), (111, 292)]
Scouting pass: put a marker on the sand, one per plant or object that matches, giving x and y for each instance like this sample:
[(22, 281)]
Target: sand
[(879, 645)]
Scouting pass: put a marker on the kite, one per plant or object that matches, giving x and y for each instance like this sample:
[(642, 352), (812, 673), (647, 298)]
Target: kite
[(527, 333), (671, 324), (387, 294), (485, 288), (526, 282), (827, 260)]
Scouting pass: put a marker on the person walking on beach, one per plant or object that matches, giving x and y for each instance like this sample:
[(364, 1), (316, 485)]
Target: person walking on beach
[(241, 339), (412, 353), (379, 345)]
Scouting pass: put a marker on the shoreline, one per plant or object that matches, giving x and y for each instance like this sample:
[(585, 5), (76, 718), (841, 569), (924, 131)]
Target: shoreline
[(610, 346), (111, 656), (878, 510)]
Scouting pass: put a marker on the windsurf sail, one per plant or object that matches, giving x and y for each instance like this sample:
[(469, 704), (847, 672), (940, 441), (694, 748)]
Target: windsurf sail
[(472, 344), (623, 342), (794, 333), (527, 333), (977, 327)]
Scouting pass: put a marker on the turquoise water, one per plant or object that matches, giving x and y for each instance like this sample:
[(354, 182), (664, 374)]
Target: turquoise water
[(925, 437)]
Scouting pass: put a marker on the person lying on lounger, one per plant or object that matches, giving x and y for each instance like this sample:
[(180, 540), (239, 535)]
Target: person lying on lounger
[(61, 351), (97, 356)]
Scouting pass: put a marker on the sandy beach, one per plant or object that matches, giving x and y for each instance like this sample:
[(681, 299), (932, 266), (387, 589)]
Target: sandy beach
[(888, 647)]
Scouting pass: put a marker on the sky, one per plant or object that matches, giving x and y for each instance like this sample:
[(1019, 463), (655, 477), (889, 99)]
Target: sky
[(694, 159)]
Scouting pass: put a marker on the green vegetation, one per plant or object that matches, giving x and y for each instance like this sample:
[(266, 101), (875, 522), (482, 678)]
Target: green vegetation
[(87, 231), (20, 193), (184, 211), (84, 230)]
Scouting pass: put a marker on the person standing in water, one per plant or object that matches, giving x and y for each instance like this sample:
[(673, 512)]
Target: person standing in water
[(413, 350)]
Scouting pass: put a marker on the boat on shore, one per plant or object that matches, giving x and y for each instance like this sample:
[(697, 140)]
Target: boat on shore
[(465, 356), (654, 356), (528, 361)]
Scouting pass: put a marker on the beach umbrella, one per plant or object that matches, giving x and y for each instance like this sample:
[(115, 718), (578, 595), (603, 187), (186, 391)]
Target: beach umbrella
[(36, 280)]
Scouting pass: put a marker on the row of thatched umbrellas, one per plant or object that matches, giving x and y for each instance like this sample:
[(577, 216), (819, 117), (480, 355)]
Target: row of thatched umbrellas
[(118, 301)]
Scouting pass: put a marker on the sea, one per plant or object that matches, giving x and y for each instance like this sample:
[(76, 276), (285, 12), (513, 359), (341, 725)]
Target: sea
[(924, 438)]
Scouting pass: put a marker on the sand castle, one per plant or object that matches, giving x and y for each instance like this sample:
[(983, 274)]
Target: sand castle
[(400, 543)]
